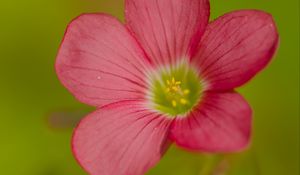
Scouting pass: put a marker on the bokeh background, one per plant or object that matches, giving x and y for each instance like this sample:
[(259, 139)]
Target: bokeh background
[(38, 114)]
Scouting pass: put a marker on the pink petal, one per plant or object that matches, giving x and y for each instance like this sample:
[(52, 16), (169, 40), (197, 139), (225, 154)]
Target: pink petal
[(120, 139), (100, 62), (167, 29), (235, 47), (221, 123)]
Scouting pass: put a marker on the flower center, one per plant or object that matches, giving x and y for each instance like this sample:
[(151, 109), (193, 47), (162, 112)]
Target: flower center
[(175, 90)]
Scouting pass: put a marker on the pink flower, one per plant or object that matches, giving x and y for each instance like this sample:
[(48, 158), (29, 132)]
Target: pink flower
[(167, 75)]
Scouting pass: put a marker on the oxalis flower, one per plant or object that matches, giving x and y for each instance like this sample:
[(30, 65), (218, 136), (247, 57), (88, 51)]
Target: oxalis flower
[(165, 76)]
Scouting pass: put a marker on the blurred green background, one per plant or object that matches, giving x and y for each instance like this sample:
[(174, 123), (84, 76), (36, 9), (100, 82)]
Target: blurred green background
[(37, 113)]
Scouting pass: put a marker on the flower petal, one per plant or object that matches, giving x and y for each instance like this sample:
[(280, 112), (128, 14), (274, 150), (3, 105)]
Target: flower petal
[(122, 138), (221, 123), (235, 47), (100, 62), (167, 29)]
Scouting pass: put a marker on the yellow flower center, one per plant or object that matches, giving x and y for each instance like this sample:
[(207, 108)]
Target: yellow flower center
[(175, 91)]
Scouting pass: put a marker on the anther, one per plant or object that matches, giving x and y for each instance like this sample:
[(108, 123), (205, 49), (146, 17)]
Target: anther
[(173, 80), (183, 101), (175, 88), (178, 83), (168, 90), (186, 91), (174, 103)]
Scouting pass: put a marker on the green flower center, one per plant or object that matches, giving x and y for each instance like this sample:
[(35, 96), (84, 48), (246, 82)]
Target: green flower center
[(175, 90)]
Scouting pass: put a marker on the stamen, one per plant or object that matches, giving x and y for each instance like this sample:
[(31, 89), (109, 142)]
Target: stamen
[(186, 91), (168, 90), (183, 101), (177, 91), (175, 88), (174, 103), (168, 82), (178, 83), (173, 80)]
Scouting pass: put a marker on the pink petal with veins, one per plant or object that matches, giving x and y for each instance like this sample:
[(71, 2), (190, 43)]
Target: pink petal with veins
[(220, 123), (235, 47), (100, 62), (120, 139), (167, 29)]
